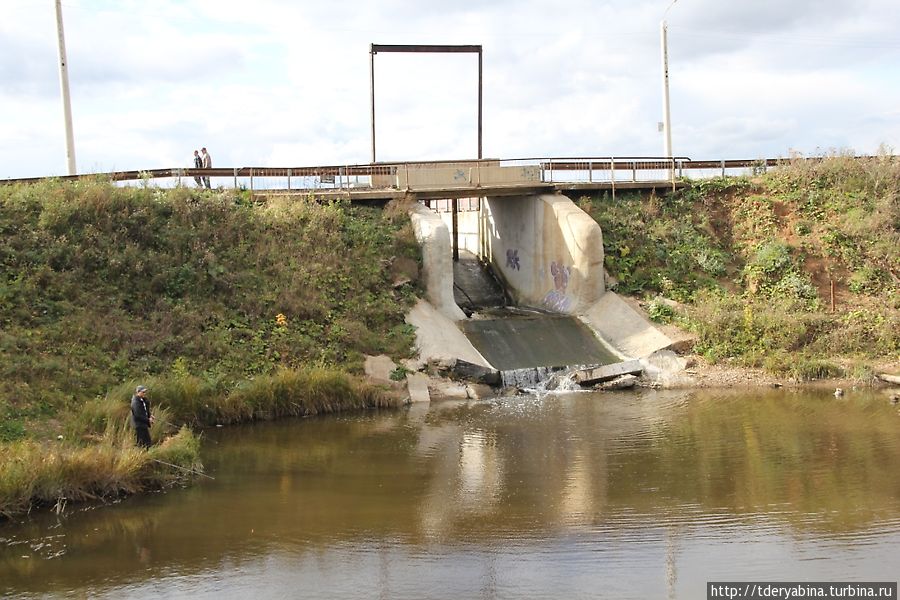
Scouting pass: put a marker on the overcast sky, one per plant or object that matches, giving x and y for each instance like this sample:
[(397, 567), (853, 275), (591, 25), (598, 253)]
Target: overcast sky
[(286, 83)]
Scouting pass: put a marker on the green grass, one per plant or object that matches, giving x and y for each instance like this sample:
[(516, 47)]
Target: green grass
[(100, 285), (230, 311), (34, 474), (283, 393)]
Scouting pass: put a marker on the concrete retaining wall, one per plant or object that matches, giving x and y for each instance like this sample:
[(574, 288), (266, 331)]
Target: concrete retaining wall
[(624, 328), (547, 251), (437, 260)]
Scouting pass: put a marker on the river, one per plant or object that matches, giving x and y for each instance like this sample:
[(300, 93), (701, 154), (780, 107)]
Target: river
[(639, 494)]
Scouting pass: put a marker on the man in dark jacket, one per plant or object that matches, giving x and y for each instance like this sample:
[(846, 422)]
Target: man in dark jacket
[(198, 164), (141, 417)]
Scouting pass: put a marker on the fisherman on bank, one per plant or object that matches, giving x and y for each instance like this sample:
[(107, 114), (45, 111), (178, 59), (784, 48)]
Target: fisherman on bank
[(141, 417)]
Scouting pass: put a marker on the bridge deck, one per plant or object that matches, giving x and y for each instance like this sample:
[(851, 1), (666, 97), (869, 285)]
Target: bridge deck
[(448, 193)]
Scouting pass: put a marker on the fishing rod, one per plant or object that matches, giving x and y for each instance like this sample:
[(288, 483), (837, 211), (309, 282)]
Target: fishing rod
[(192, 471)]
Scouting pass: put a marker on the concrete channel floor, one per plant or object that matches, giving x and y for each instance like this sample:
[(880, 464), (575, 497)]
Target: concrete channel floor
[(518, 342), (473, 287), (513, 339)]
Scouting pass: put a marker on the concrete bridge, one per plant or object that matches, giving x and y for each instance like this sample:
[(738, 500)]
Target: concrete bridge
[(428, 178)]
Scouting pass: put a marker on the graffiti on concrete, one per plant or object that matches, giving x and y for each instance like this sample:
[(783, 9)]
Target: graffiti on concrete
[(512, 259), (556, 299)]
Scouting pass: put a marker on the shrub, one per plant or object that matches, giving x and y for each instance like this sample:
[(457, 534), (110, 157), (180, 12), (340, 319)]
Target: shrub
[(34, 474)]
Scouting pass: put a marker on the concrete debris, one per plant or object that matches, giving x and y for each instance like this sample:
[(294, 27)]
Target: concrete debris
[(593, 375), (467, 371), (444, 389), (379, 368), (665, 369), (619, 383), (888, 378), (480, 391), (417, 384)]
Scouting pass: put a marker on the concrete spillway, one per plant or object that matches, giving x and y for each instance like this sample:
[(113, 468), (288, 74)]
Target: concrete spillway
[(515, 339), (474, 286), (539, 340)]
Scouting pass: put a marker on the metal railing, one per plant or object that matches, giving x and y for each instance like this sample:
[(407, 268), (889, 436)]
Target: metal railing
[(400, 175)]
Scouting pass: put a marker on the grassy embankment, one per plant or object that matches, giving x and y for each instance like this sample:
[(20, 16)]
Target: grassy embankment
[(228, 310), (749, 264)]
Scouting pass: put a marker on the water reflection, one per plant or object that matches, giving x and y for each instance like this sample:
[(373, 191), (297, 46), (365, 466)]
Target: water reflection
[(582, 495)]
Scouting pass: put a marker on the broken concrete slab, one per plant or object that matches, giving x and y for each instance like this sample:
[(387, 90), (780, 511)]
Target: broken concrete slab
[(444, 389), (480, 391), (622, 382), (888, 378), (664, 368), (475, 373), (417, 384), (593, 375)]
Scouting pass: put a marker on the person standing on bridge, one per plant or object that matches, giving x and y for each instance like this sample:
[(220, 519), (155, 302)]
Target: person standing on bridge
[(207, 164), (198, 164)]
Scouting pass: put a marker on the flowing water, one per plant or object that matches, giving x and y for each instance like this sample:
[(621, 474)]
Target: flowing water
[(574, 495)]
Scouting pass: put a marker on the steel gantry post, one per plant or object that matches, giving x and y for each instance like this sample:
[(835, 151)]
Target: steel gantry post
[(429, 48)]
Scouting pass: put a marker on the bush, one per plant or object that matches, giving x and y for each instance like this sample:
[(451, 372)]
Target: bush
[(660, 311)]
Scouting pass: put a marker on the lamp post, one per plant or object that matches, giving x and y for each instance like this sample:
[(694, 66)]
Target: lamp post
[(667, 121), (64, 86)]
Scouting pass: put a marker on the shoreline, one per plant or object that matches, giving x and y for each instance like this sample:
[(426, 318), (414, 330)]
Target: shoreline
[(700, 375), (697, 375)]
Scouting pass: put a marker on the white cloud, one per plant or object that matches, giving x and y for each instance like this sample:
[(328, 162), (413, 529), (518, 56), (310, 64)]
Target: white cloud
[(278, 83)]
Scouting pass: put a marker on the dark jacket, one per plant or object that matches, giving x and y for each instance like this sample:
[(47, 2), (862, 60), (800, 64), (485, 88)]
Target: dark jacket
[(140, 412)]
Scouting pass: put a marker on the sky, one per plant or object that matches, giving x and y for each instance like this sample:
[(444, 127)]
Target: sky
[(283, 83)]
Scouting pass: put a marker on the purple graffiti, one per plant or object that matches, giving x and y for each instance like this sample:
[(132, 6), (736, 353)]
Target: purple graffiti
[(560, 274), (512, 259), (556, 299)]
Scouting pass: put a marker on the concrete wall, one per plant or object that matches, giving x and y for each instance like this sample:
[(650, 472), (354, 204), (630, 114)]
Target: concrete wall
[(625, 329), (464, 175), (547, 251), (437, 260)]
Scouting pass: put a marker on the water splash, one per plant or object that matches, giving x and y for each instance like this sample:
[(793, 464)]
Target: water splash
[(526, 378), (542, 380)]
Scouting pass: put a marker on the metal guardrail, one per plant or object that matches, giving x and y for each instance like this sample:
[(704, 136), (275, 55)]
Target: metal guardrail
[(385, 175)]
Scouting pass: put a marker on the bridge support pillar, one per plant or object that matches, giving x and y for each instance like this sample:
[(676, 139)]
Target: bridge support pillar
[(455, 233)]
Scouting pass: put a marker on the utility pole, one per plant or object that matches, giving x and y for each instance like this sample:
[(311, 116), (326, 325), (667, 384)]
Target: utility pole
[(667, 119), (64, 86)]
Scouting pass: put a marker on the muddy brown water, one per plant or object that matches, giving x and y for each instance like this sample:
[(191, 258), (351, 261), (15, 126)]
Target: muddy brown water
[(578, 495)]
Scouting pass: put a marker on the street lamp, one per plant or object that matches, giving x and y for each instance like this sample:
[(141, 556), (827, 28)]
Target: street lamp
[(667, 122)]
